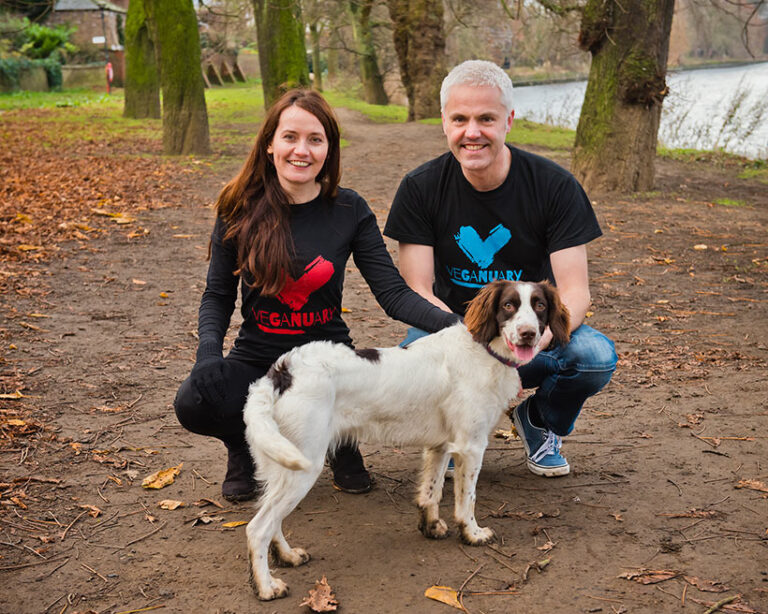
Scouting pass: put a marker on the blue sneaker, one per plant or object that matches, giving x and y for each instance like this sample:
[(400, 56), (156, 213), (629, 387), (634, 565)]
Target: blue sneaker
[(449, 470), (542, 446)]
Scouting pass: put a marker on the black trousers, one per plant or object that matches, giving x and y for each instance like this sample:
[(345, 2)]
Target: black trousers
[(218, 411)]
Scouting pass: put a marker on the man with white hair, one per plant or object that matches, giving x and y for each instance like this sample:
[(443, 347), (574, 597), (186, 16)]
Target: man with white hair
[(486, 210)]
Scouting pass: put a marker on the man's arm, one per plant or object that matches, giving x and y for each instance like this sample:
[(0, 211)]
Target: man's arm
[(417, 266), (569, 266)]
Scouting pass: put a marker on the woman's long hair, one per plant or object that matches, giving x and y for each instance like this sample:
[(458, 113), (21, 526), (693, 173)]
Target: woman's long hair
[(256, 209)]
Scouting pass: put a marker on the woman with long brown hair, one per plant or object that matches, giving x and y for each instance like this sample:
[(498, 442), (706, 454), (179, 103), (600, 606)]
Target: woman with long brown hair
[(284, 231)]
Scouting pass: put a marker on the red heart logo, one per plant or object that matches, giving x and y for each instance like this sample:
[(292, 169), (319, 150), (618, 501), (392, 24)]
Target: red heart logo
[(296, 292)]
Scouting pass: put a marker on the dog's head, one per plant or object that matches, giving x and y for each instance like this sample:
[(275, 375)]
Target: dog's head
[(514, 315)]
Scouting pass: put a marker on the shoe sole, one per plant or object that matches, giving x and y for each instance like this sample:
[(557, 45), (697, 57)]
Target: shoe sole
[(353, 491), (241, 497), (536, 469), (548, 472)]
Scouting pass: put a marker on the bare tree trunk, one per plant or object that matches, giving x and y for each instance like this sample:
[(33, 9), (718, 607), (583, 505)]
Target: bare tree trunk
[(317, 69), (616, 138), (373, 83), (282, 54), (185, 117), (142, 85), (420, 45)]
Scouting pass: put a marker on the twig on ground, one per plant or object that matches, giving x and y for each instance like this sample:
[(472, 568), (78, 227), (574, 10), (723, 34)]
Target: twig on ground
[(138, 539), (460, 592), (92, 570), (71, 524), (721, 603), (679, 490)]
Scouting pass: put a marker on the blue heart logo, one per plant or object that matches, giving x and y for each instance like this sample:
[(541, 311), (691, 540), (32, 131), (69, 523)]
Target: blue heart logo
[(479, 251)]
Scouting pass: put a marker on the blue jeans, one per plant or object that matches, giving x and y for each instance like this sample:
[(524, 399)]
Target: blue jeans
[(566, 376)]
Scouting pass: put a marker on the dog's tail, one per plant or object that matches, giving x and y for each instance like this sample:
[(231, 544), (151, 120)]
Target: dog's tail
[(262, 432)]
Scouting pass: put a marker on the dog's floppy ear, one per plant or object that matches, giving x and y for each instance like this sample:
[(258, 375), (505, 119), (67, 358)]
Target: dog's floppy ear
[(480, 318), (559, 318)]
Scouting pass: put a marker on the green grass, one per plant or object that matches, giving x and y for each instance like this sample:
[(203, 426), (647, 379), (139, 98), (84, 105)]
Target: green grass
[(48, 100), (385, 114), (525, 132), (238, 103), (730, 202)]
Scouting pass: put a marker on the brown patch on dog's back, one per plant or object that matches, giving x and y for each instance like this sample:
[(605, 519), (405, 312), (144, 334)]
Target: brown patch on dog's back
[(371, 354), (281, 376)]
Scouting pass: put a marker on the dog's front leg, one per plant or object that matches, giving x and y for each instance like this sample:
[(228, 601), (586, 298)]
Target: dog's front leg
[(465, 475), (430, 493)]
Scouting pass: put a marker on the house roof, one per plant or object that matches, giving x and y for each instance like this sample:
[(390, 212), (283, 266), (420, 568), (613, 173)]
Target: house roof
[(87, 5)]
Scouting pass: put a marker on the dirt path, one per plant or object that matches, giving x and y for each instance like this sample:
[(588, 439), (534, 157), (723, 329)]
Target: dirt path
[(657, 457)]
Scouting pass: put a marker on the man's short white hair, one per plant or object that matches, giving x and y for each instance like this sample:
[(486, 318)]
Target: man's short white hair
[(478, 73)]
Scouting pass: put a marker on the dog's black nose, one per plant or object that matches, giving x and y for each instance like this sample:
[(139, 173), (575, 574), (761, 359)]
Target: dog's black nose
[(527, 336)]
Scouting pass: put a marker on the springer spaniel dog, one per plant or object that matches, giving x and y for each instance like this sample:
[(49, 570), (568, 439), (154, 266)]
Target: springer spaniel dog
[(444, 392)]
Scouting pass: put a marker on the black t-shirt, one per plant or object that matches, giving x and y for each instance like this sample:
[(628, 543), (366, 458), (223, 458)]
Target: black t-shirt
[(308, 308), (505, 233)]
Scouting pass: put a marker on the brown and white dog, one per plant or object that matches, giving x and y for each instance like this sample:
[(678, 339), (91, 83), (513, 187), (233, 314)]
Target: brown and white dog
[(444, 392)]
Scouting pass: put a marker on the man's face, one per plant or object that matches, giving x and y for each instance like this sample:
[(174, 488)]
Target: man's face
[(476, 124)]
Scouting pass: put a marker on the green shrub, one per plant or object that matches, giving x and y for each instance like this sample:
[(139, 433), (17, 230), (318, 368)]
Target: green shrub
[(11, 68), (43, 42)]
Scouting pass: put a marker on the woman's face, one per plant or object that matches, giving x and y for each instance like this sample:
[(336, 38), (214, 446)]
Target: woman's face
[(299, 149)]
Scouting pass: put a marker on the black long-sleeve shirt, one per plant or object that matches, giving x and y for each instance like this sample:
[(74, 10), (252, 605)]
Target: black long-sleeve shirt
[(308, 308)]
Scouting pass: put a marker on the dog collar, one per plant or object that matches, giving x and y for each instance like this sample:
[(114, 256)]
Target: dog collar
[(501, 359)]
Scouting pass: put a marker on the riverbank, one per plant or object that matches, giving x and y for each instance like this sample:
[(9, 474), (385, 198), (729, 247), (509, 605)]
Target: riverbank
[(546, 78)]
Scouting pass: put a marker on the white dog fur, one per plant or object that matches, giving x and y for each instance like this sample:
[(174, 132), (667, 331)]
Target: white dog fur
[(444, 392)]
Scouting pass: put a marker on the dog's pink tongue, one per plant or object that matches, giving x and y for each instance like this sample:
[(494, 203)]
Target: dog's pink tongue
[(524, 353)]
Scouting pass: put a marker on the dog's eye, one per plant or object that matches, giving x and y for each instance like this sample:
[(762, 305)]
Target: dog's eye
[(508, 306), (540, 306)]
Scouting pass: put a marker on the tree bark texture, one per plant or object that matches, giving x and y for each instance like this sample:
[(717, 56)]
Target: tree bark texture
[(616, 138), (419, 41), (185, 117), (317, 68), (370, 75), (282, 54), (142, 83)]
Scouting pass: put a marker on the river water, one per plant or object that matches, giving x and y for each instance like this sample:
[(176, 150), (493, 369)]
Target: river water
[(706, 108)]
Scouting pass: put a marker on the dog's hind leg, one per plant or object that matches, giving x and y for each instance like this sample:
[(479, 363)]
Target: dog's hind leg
[(430, 493), (468, 464), (283, 494), (283, 554)]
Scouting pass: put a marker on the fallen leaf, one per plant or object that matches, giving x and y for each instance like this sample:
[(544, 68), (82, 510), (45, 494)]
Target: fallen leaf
[(93, 511), (139, 282), (753, 485), (170, 504), (444, 594), (650, 576), (204, 502), (12, 395), (29, 248), (234, 523), (693, 513), (700, 247), (547, 547), (162, 478), (706, 585), (618, 517), (321, 598)]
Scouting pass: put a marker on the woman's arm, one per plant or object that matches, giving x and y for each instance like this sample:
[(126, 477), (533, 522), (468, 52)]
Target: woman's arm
[(397, 299), (219, 297)]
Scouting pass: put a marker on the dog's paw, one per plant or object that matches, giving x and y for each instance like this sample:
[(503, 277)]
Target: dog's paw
[(479, 536), (275, 590), (435, 529), (294, 558)]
